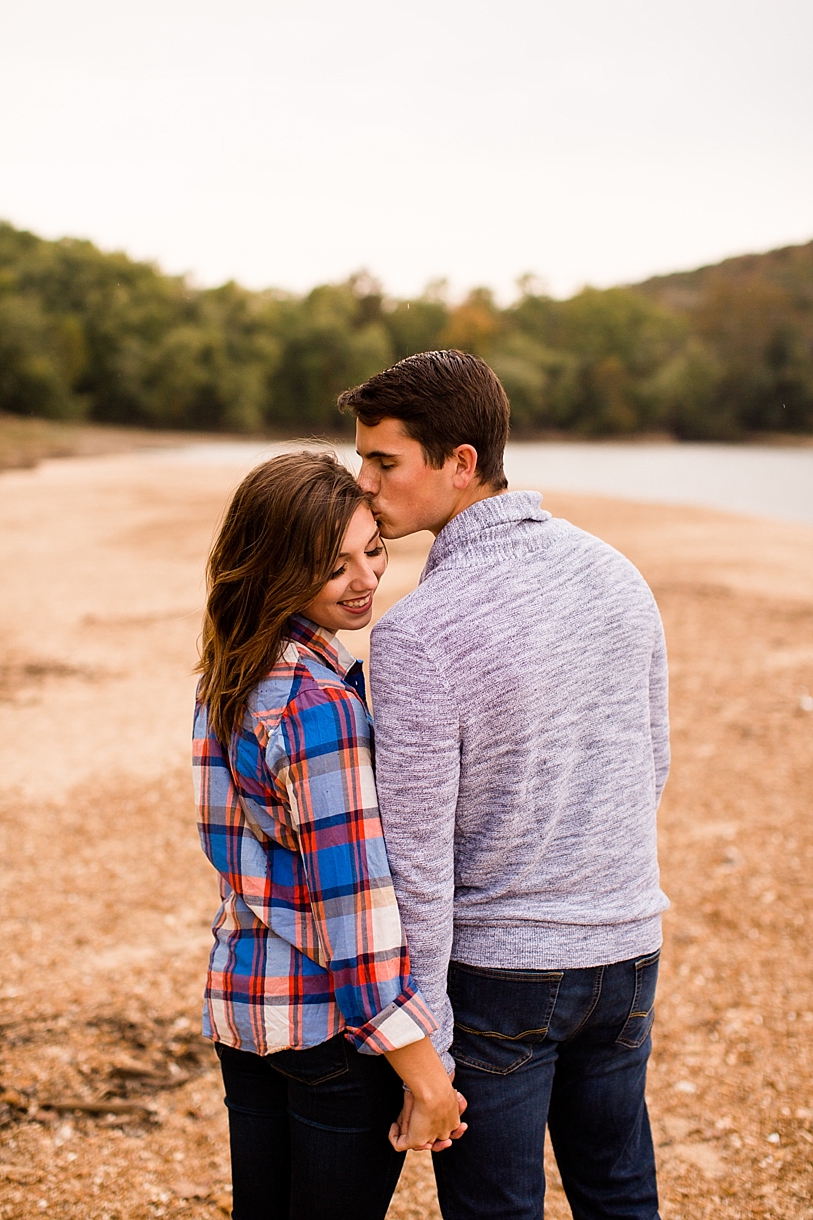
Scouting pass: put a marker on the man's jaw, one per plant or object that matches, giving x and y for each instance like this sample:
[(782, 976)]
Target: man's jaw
[(389, 532), (384, 527)]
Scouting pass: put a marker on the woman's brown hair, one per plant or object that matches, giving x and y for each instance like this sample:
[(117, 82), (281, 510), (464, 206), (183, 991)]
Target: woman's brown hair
[(277, 547)]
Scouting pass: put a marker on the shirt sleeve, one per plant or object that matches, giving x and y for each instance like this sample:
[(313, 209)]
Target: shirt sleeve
[(321, 757), (417, 774), (659, 709), (234, 832)]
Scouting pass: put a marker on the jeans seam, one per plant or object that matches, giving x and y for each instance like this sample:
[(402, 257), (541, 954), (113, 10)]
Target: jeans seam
[(482, 1066), (315, 1080), (264, 1114), (525, 976), (495, 1033), (326, 1126)]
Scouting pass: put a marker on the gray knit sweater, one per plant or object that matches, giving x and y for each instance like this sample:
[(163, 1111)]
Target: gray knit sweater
[(520, 702)]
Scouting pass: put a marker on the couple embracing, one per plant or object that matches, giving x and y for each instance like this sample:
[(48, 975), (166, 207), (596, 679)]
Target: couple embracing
[(459, 948)]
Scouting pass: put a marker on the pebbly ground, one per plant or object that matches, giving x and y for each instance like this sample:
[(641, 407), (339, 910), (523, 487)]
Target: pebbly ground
[(110, 1104)]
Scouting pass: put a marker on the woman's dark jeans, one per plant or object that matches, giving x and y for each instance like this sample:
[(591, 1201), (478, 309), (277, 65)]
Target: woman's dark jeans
[(566, 1048), (308, 1132)]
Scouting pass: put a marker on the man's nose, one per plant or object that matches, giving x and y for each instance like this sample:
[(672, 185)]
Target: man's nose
[(367, 480)]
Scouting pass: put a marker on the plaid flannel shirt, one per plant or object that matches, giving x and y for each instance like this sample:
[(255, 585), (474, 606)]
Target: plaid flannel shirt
[(308, 938)]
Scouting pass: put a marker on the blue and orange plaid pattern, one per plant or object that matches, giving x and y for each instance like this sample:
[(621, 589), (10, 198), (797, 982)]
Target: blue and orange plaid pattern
[(308, 938)]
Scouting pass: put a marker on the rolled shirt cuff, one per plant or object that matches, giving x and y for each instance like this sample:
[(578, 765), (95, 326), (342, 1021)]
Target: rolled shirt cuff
[(406, 1020)]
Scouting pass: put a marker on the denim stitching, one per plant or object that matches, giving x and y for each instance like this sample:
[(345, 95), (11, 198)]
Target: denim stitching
[(522, 976), (495, 1033), (489, 1067), (592, 1008), (317, 1080), (307, 1122), (554, 979), (635, 1013), (331, 1075)]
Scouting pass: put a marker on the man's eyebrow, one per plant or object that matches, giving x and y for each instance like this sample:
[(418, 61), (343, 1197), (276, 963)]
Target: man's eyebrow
[(377, 453)]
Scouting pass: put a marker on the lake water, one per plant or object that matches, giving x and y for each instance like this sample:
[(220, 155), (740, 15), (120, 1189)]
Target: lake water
[(757, 479)]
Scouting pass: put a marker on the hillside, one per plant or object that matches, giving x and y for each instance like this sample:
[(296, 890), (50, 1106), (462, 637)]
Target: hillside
[(789, 269), (720, 353)]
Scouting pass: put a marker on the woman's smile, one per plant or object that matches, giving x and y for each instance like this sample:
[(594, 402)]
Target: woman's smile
[(345, 602), (358, 605)]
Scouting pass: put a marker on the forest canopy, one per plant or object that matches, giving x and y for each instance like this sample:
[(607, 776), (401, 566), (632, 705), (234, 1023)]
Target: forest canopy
[(714, 354)]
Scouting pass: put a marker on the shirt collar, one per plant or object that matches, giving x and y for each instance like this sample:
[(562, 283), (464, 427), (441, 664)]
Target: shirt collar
[(324, 643), (489, 525)]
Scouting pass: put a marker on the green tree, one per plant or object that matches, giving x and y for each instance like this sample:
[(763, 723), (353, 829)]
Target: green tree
[(40, 356), (715, 353), (334, 338)]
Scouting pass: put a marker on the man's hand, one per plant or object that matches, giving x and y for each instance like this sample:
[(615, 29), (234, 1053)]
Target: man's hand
[(428, 1125)]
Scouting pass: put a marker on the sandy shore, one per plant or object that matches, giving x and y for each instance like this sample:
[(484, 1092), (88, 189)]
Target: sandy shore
[(107, 898)]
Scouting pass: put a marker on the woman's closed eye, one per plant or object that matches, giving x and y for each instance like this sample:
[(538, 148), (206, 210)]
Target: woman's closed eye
[(371, 554)]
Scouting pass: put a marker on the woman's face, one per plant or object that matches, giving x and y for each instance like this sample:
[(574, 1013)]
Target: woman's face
[(345, 603)]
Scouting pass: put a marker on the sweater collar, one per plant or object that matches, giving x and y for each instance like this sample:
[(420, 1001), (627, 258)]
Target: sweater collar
[(487, 527), (327, 646)]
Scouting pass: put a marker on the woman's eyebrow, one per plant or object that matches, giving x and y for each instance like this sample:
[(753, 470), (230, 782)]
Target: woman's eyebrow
[(346, 554)]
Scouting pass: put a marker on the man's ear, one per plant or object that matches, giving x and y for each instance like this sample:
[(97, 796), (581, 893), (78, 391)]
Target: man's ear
[(465, 459)]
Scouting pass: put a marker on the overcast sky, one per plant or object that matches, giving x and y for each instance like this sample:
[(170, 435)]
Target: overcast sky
[(290, 144)]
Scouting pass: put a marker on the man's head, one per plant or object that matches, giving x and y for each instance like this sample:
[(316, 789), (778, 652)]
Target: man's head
[(431, 432)]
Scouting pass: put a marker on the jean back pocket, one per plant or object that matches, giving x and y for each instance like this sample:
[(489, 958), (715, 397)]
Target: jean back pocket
[(642, 1009), (500, 1015), (315, 1064)]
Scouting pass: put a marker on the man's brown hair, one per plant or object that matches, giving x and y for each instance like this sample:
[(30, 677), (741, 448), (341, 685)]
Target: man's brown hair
[(444, 399), (276, 549)]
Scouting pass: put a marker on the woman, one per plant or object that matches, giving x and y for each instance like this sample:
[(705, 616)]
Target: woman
[(309, 997)]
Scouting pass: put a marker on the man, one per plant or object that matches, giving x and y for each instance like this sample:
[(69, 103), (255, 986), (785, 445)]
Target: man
[(522, 746)]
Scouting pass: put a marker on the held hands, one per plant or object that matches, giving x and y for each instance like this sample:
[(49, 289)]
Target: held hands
[(430, 1118), (429, 1124)]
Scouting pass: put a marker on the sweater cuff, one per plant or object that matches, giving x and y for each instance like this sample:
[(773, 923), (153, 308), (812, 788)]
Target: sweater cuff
[(448, 1062), (404, 1021)]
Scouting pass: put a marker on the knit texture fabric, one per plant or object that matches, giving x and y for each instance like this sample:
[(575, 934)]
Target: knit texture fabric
[(521, 726)]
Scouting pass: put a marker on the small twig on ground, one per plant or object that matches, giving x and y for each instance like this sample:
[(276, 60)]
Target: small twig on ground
[(98, 1107)]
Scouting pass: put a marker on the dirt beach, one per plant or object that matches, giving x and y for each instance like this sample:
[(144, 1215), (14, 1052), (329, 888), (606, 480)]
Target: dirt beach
[(110, 1105)]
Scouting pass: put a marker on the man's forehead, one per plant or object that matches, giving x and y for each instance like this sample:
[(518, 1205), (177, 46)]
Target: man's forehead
[(388, 438)]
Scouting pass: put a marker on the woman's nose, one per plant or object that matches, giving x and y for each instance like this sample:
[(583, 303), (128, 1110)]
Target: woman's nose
[(364, 578)]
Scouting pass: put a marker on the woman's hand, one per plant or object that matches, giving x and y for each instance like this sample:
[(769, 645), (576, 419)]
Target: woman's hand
[(430, 1118), (420, 1124)]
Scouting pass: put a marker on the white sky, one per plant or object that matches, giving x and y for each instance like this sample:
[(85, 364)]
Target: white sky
[(290, 144)]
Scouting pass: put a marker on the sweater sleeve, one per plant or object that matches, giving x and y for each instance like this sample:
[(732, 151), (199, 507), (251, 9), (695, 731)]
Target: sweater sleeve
[(417, 774), (659, 709)]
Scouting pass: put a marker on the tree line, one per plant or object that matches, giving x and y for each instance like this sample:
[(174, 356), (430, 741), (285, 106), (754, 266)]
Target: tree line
[(718, 353)]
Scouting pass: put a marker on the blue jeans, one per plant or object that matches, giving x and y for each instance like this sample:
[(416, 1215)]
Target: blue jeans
[(308, 1133), (566, 1048)]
